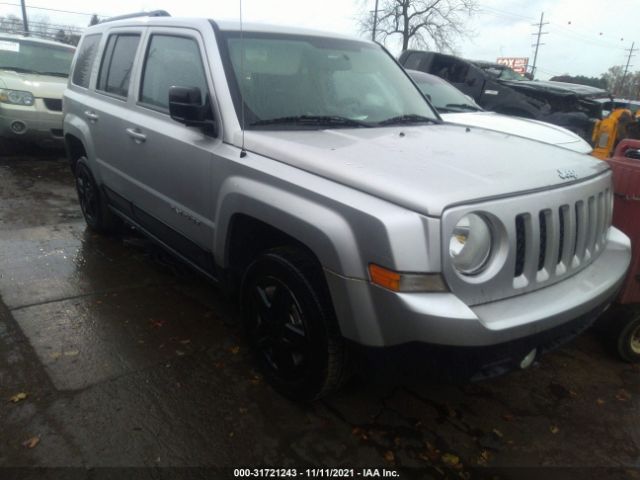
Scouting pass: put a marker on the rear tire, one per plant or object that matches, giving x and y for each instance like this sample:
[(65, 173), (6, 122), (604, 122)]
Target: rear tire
[(92, 202), (291, 326)]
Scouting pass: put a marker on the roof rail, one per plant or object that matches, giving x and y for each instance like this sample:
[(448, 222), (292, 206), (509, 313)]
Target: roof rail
[(154, 13)]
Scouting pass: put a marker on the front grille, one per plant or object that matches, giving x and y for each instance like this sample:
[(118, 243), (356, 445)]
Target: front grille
[(54, 104), (561, 238), (520, 251), (540, 239)]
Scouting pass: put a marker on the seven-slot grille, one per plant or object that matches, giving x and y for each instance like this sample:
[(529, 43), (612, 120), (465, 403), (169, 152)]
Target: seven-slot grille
[(553, 241), (539, 238)]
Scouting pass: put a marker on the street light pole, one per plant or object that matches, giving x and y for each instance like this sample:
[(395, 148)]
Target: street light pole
[(375, 22), (626, 68), (537, 44), (25, 21)]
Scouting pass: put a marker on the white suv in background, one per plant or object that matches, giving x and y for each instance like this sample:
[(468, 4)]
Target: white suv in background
[(33, 76)]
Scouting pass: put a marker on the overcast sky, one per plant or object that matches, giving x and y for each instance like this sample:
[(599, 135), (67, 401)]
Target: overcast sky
[(585, 36)]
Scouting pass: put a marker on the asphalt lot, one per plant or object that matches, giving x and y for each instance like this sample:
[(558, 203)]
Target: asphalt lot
[(129, 360)]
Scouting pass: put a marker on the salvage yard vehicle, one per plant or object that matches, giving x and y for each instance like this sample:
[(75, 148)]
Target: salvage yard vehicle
[(619, 124), (456, 107), (307, 172), (622, 321), (498, 88), (33, 76)]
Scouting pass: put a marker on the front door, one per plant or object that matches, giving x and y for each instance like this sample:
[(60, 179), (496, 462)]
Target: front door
[(173, 163)]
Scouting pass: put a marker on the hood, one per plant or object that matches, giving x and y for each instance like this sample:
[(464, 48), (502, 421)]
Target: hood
[(424, 168), (41, 86), (521, 127), (558, 88)]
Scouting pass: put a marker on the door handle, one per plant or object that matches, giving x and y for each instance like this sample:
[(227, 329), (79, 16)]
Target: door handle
[(91, 116), (136, 134)]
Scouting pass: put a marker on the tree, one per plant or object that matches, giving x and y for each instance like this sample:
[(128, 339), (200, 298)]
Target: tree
[(630, 88), (10, 24), (41, 27), (94, 20), (421, 23)]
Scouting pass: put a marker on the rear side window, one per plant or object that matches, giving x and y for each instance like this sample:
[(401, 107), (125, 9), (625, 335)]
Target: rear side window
[(117, 64), (170, 61), (412, 62), (84, 62)]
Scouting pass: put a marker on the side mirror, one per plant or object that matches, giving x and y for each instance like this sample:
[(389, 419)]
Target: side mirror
[(186, 106)]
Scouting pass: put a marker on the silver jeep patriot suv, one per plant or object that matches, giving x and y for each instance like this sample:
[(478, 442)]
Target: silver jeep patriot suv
[(307, 170)]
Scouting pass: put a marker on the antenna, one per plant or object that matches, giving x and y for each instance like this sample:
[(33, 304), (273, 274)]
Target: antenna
[(243, 152)]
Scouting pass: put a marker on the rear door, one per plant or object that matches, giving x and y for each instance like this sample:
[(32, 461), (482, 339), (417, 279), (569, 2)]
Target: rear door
[(173, 163), (107, 110)]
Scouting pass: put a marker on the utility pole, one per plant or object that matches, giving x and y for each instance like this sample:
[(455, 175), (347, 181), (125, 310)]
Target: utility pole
[(25, 21), (537, 44), (626, 68), (375, 22)]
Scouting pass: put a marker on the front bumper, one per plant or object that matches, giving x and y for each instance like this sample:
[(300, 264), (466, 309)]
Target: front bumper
[(41, 125), (463, 364), (375, 317)]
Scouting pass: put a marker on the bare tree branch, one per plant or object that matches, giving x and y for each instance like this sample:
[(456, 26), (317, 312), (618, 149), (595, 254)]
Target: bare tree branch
[(421, 23)]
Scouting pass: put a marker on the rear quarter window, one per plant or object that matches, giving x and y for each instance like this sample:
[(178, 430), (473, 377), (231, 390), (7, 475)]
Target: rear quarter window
[(85, 59)]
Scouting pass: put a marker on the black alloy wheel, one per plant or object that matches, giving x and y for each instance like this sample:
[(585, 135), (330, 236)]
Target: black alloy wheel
[(291, 326)]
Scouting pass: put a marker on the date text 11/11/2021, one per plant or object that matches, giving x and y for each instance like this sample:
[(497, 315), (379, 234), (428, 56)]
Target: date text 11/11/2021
[(315, 473)]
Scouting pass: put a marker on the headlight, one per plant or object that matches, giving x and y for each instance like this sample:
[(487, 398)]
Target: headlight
[(470, 244), (16, 97)]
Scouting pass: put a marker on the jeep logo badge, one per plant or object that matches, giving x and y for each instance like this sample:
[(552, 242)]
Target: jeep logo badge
[(567, 174)]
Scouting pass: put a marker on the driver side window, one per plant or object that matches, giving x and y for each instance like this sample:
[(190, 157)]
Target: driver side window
[(170, 61)]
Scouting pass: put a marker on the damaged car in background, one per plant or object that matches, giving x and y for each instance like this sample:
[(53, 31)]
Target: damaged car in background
[(499, 89), (456, 107)]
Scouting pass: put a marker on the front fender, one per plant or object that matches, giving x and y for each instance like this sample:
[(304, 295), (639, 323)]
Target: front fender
[(323, 230)]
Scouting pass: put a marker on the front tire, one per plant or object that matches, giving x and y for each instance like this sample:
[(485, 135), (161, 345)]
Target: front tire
[(291, 326), (92, 202)]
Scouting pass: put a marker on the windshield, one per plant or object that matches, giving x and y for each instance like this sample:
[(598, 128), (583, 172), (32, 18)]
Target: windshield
[(34, 57), (302, 81), (503, 73), (442, 95)]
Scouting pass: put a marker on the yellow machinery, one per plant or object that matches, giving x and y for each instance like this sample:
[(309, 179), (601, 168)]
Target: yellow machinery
[(608, 132)]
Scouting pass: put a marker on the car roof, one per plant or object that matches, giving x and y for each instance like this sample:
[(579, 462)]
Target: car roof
[(13, 36), (223, 25)]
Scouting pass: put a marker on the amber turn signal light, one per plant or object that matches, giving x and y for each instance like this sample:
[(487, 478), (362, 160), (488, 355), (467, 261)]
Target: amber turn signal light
[(406, 282)]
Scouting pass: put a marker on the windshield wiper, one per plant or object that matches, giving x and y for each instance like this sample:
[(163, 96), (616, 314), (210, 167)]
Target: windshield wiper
[(312, 120), (28, 70), (463, 106), (406, 119), (18, 69), (53, 74)]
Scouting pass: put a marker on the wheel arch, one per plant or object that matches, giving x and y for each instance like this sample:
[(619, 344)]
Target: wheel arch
[(270, 217), (77, 140)]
